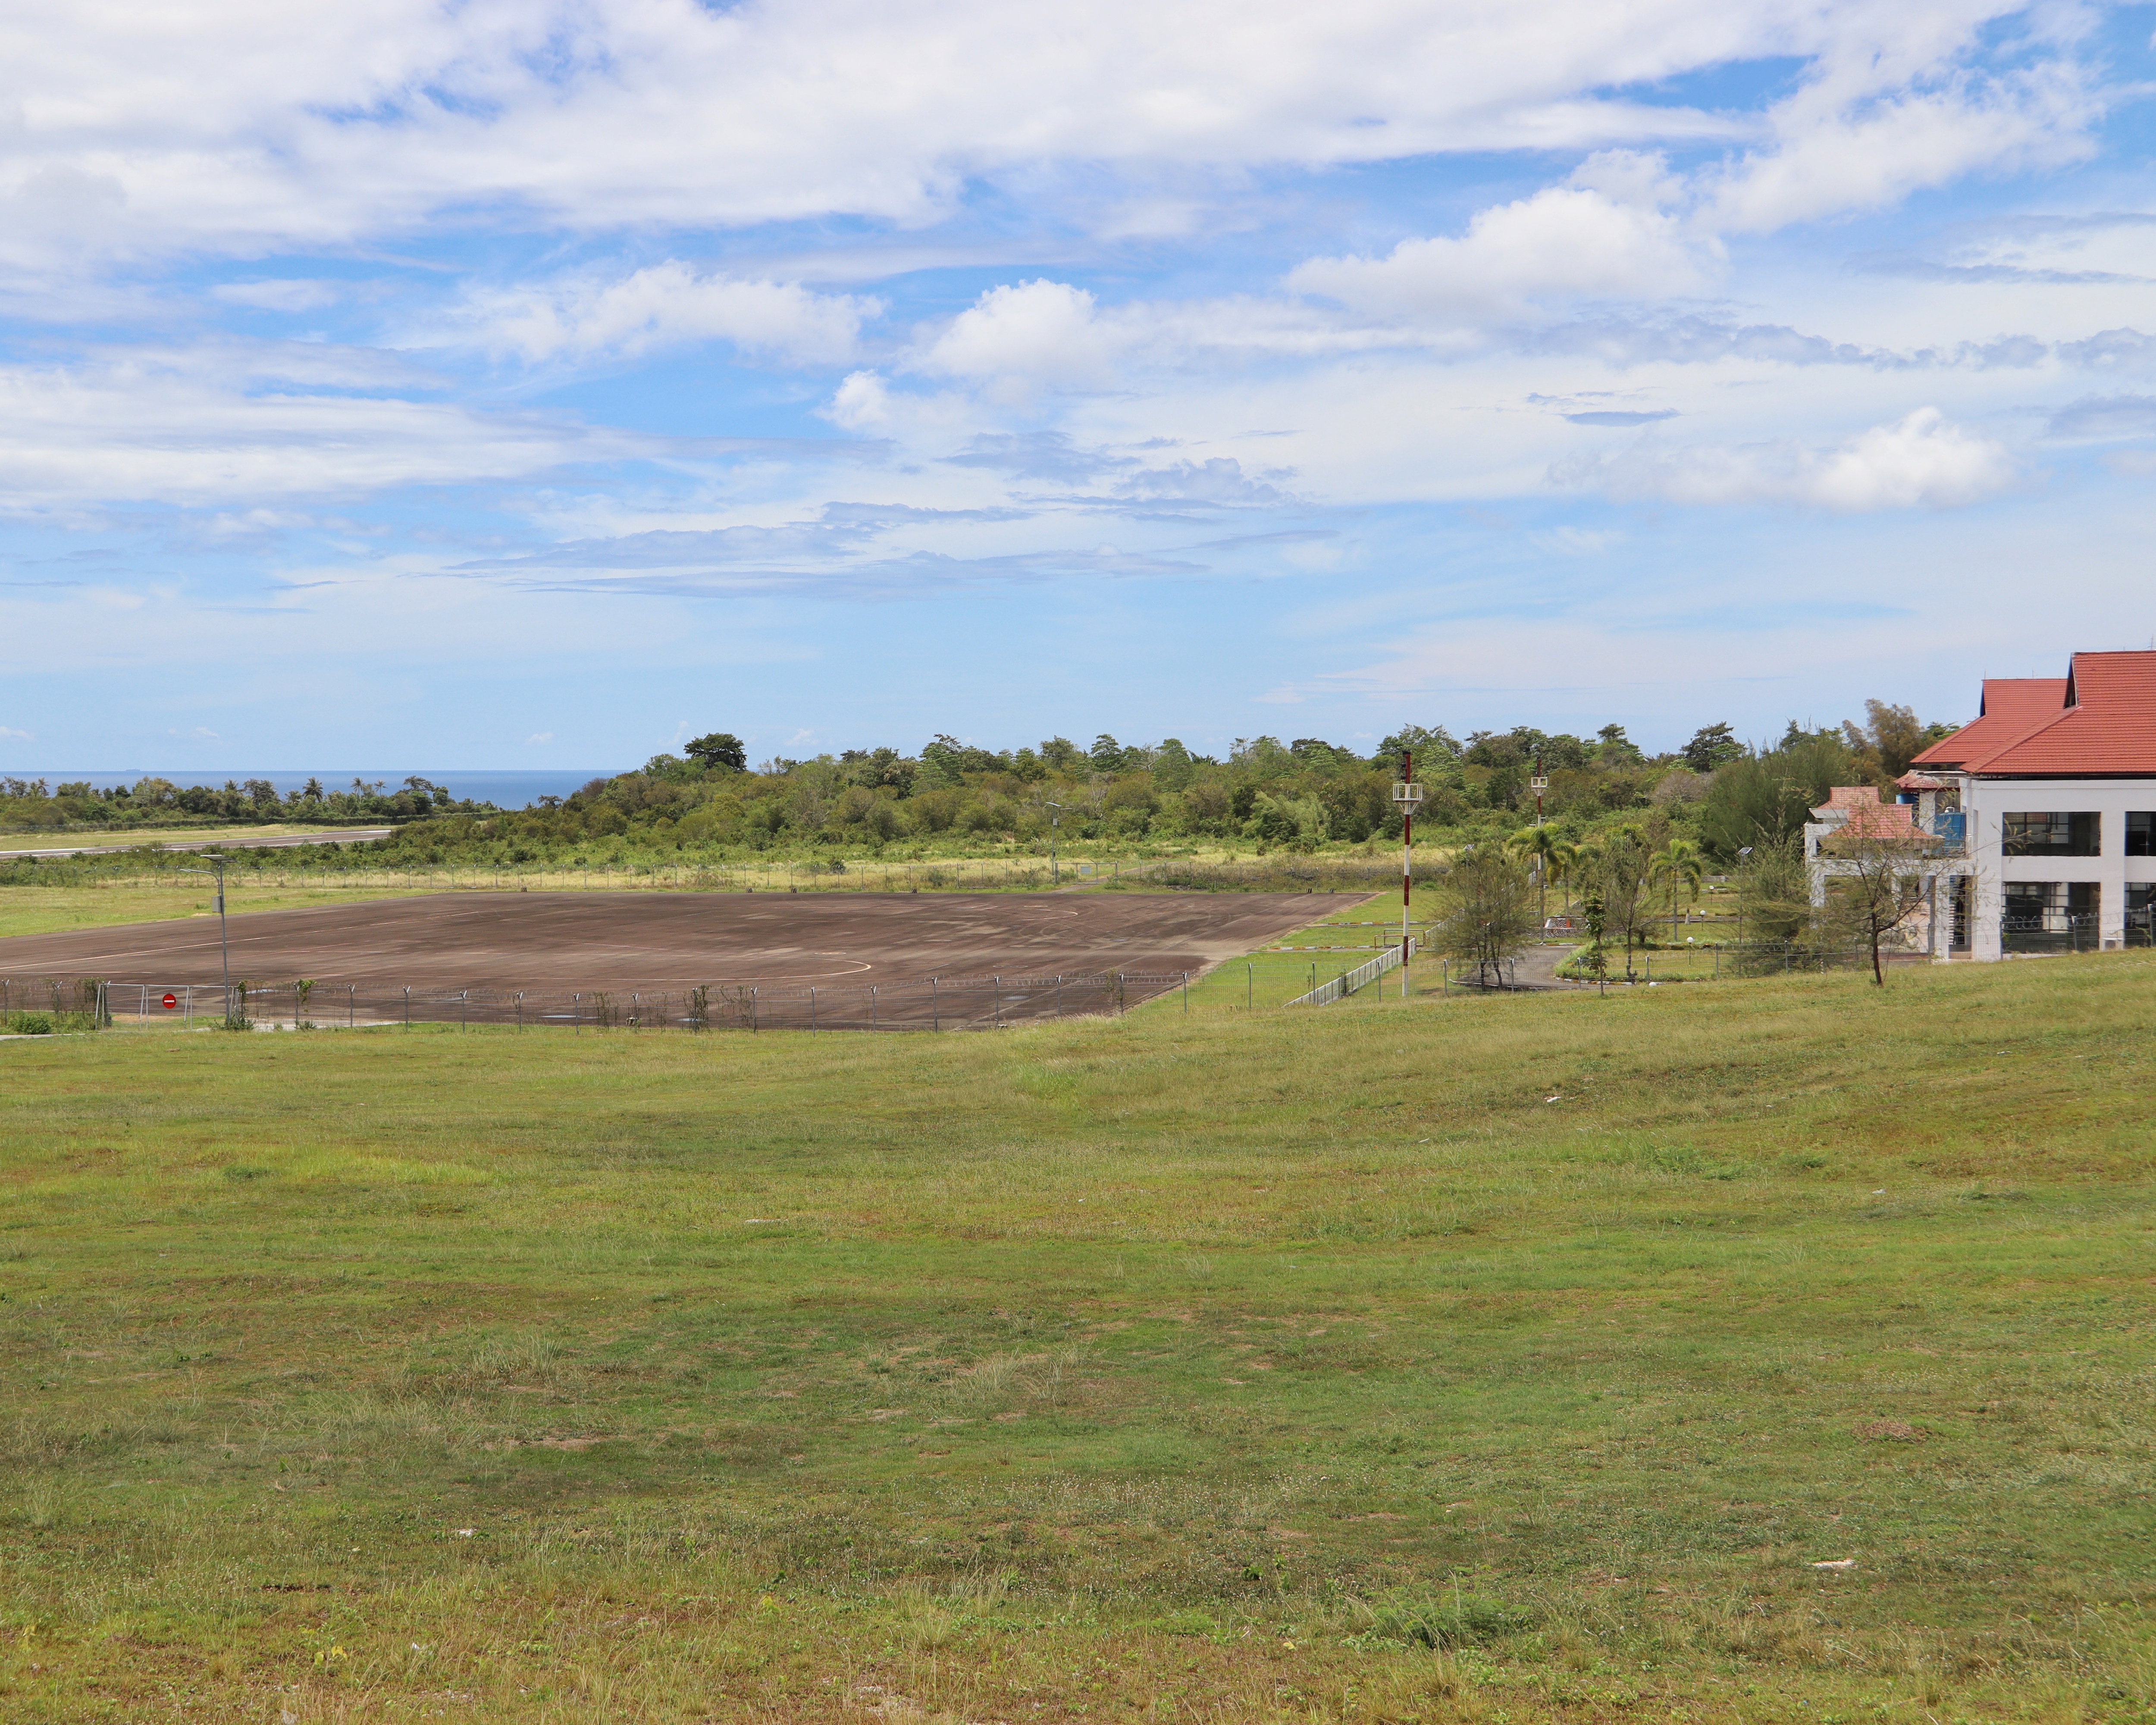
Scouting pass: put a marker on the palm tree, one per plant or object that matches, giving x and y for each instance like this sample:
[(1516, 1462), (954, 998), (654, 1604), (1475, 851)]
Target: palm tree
[(1677, 864), (1564, 861), (1539, 846)]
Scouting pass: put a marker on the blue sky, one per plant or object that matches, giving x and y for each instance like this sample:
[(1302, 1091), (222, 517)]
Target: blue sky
[(531, 385)]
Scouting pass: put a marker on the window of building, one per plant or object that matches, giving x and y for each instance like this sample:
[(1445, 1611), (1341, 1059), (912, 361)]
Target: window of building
[(2141, 835), (2050, 916), (2138, 919), (2048, 835)]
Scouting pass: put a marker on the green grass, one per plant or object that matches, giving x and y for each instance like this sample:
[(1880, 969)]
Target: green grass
[(1313, 1365)]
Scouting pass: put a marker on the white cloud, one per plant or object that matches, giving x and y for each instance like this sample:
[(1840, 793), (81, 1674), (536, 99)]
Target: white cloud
[(1605, 235), (540, 737), (1036, 332), (1920, 461), (145, 131), (664, 305), (8, 734), (247, 425), (1837, 150)]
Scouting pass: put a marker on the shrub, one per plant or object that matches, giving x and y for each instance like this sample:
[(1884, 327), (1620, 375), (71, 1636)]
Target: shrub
[(30, 1024), (1459, 1621)]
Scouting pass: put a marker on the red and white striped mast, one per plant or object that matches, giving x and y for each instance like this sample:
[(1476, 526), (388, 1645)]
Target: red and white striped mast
[(1407, 794)]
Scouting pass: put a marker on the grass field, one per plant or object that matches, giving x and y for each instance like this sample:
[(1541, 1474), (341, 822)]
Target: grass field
[(1497, 1359)]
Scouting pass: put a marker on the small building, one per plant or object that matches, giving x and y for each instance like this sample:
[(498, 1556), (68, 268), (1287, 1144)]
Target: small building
[(1929, 857), (2043, 812)]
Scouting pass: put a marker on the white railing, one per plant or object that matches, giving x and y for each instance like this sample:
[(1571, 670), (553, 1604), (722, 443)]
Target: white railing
[(1348, 981)]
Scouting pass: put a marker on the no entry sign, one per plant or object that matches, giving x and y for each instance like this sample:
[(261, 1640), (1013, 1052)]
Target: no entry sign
[(171, 1001)]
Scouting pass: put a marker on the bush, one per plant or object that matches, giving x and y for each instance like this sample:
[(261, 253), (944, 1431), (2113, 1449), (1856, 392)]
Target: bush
[(29, 1024)]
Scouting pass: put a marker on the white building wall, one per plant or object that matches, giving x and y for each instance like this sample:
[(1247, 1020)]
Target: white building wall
[(1987, 801)]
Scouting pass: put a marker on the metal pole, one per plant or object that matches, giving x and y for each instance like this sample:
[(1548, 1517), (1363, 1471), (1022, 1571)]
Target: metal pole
[(408, 1006), (872, 1006), (811, 1008), (997, 983), (352, 1007), (1186, 994), (1406, 865), (1249, 988), (935, 1011)]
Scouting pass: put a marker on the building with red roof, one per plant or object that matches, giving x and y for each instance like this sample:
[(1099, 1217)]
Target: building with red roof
[(2045, 802)]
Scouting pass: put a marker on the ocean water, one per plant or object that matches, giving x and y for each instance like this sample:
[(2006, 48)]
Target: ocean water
[(504, 789)]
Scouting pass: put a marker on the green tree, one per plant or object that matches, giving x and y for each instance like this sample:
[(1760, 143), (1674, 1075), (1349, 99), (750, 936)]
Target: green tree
[(1677, 865), (721, 752), (1619, 866), (1710, 747), (1538, 848), (1764, 800), (1485, 914)]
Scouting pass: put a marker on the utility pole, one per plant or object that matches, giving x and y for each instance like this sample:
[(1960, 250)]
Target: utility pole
[(223, 946), (1407, 794), (1054, 820)]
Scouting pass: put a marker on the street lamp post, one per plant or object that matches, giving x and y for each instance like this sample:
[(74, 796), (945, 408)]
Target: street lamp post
[(1054, 820), (1408, 795)]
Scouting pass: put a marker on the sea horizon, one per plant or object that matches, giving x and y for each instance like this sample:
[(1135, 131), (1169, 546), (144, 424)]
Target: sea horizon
[(505, 786)]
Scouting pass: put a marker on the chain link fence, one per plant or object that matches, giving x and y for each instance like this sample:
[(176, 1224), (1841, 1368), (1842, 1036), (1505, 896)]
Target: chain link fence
[(967, 1003)]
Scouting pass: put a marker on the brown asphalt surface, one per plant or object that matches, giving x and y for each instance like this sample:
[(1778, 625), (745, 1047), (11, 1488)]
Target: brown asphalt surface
[(660, 941)]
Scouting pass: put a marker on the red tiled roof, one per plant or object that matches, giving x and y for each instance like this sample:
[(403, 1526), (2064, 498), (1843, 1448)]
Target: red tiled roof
[(2010, 707), (1867, 814), (2104, 723)]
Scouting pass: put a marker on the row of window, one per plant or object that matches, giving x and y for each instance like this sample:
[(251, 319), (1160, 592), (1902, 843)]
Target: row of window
[(2079, 833)]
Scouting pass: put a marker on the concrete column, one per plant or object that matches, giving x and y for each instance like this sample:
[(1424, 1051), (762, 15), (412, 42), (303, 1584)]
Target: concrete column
[(2111, 880), (1987, 887)]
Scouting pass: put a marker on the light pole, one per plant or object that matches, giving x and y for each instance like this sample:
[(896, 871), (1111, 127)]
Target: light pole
[(1743, 851), (1054, 820), (223, 946), (1407, 794)]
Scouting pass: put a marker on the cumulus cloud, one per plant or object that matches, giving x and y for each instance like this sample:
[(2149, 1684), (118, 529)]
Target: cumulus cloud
[(1034, 333), (665, 304), (9, 734), (1921, 460), (1605, 235)]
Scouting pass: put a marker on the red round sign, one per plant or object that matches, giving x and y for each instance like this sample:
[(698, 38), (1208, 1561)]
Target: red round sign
[(171, 1001)]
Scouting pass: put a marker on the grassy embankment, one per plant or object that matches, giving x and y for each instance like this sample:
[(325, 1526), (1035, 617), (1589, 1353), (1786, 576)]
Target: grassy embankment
[(1159, 1368)]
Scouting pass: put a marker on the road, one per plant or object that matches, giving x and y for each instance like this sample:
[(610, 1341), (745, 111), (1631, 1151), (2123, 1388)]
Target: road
[(278, 841)]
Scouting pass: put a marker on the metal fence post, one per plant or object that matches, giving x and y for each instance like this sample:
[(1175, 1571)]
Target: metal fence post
[(1249, 988), (519, 1009), (352, 1006), (872, 1006), (1186, 994), (463, 1010), (997, 983), (752, 1023), (1058, 996), (408, 1006), (811, 1008), (935, 1009)]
